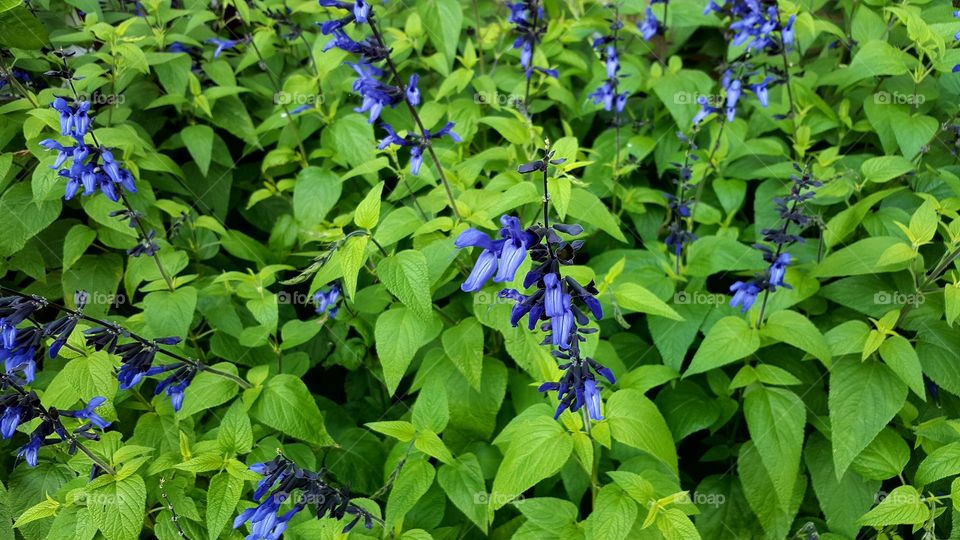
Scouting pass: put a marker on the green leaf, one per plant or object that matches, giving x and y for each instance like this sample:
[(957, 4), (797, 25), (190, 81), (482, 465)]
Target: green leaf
[(914, 132), (870, 389), (951, 302), (588, 208), (939, 464), (510, 128), (367, 214), (885, 168), (902, 506), (21, 29), (861, 257), (42, 510), (445, 19), (208, 391), (352, 254), (429, 443), (405, 276), (775, 418), (24, 217), (199, 141), (614, 513), (170, 313), (635, 421), (412, 483), (634, 297), (462, 481), (885, 456), (398, 429), (795, 329), (728, 340), (843, 500), (463, 345), (399, 334), (285, 404), (761, 495), (899, 355), (537, 450), (431, 410), (235, 435), (314, 195), (223, 494), (78, 239), (118, 507)]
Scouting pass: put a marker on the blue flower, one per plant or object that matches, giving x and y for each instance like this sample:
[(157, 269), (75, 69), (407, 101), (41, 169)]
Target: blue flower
[(529, 22), (376, 94), (779, 269), (650, 26), (501, 258), (89, 414), (326, 301), (413, 93), (222, 45), (175, 384), (745, 294), (416, 143), (578, 386), (31, 450)]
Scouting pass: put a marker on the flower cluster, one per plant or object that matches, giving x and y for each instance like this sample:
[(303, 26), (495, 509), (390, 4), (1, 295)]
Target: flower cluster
[(558, 304), (756, 24), (137, 361), (791, 210), (678, 234), (735, 79), (281, 477), (956, 37), (530, 24), (21, 406), (608, 94), (92, 167), (371, 85), (327, 301), (416, 143)]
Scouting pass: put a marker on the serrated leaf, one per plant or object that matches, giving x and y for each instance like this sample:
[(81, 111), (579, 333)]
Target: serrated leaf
[(728, 340), (405, 276), (367, 214), (288, 406)]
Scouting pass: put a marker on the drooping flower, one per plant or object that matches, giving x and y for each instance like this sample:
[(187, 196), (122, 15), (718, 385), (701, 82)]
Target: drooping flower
[(650, 26), (499, 259), (529, 22), (327, 301), (416, 143), (284, 478), (222, 45), (89, 413)]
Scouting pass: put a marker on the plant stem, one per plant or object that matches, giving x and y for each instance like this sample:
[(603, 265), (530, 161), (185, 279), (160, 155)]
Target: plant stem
[(711, 168), (416, 117), (786, 65), (97, 460), (191, 361), (476, 16), (533, 50)]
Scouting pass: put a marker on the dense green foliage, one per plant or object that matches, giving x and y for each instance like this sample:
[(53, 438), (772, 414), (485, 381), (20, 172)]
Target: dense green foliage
[(829, 408)]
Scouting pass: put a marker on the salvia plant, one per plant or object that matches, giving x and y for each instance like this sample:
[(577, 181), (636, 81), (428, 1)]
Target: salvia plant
[(308, 269)]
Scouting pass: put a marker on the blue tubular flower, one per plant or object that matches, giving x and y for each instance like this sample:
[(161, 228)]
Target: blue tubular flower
[(31, 450), (88, 413), (650, 26), (376, 94), (175, 384), (745, 294), (85, 168), (326, 301), (284, 477), (529, 23), (514, 249), (791, 211), (222, 45), (608, 94), (553, 296), (578, 386), (413, 93), (416, 143)]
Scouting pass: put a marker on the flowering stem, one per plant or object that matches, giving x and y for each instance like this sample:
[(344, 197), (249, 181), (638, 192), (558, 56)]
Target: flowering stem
[(416, 117), (766, 292), (533, 50), (193, 362), (142, 233), (97, 460), (786, 65), (703, 181)]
